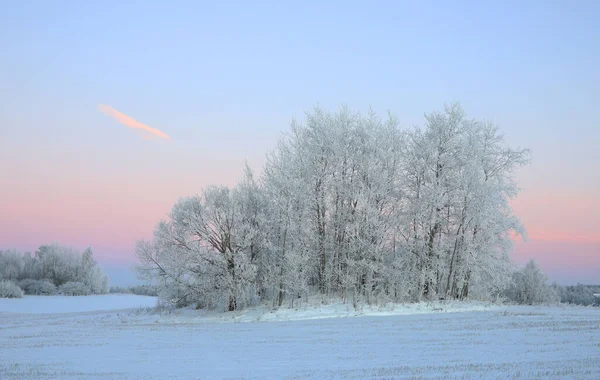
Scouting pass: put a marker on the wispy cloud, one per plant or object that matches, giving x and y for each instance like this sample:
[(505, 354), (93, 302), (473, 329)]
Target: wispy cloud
[(132, 123)]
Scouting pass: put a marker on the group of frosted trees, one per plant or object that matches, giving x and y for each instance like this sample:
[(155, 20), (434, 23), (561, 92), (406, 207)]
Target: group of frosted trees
[(52, 269), (349, 206)]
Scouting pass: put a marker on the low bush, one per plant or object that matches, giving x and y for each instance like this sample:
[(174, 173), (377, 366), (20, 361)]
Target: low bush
[(9, 289), (37, 287), (74, 288)]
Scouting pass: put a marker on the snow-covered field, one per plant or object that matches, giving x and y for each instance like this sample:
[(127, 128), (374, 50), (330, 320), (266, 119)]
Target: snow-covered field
[(94, 337), (62, 304)]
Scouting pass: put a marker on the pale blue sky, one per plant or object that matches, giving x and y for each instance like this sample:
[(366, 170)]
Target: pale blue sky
[(224, 80)]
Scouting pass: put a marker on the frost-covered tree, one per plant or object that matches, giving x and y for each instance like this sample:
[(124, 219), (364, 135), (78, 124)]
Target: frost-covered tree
[(458, 185), (203, 252), (333, 184), (11, 265), (353, 206), (251, 206), (530, 286), (91, 274)]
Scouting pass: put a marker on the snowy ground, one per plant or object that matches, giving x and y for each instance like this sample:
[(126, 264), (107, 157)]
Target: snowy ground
[(62, 304), (473, 340)]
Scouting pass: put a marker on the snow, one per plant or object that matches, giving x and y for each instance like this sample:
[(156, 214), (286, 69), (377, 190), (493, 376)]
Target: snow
[(437, 340), (320, 310), (64, 304)]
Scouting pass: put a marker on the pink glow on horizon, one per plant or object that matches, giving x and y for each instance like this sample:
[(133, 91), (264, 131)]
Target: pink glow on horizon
[(113, 211), (562, 261), (559, 217), (107, 211), (117, 213)]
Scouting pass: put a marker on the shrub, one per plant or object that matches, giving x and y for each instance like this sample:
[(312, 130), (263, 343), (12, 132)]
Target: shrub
[(74, 288), (26, 284), (37, 287), (175, 296), (44, 288), (9, 289)]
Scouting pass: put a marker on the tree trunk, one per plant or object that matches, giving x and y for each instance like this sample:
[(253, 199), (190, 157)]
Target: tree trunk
[(280, 297), (465, 289), (429, 260), (231, 268), (281, 292)]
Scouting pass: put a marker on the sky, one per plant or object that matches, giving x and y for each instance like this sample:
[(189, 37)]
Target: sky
[(112, 110)]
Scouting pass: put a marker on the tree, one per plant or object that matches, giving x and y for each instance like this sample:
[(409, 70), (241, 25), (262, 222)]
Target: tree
[(457, 226), (11, 265), (202, 251), (530, 286)]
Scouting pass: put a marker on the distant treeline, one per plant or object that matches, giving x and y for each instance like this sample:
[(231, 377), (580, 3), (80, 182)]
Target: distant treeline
[(585, 295), (52, 269), (140, 290)]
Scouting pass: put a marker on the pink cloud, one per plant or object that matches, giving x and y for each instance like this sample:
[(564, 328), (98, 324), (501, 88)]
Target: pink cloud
[(132, 123)]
